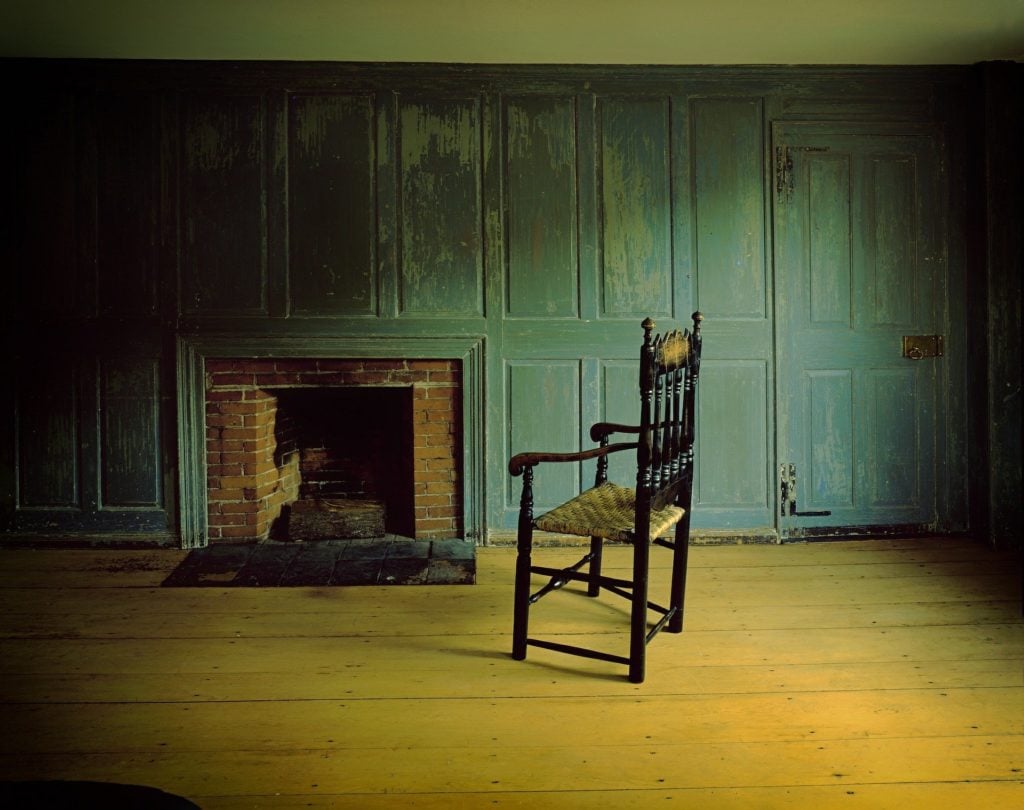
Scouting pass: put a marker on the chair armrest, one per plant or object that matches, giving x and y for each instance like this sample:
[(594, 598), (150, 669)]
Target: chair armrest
[(520, 461), (600, 430)]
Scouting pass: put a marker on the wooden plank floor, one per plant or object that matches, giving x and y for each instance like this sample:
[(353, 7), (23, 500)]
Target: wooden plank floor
[(868, 674)]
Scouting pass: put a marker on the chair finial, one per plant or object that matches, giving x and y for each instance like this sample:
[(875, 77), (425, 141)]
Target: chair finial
[(698, 317)]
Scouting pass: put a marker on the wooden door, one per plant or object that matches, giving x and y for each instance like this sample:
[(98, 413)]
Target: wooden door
[(860, 263)]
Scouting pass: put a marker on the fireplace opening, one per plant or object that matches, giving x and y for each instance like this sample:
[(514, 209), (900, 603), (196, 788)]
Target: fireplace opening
[(327, 448), (353, 451)]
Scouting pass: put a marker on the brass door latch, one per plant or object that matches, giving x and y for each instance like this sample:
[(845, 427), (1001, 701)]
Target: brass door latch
[(916, 347)]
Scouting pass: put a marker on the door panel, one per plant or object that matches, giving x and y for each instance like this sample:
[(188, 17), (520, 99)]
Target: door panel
[(857, 256)]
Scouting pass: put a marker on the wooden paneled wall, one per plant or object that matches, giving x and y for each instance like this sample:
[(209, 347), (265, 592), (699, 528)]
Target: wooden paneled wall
[(546, 211)]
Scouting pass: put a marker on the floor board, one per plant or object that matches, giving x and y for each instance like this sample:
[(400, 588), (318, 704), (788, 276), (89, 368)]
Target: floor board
[(874, 673)]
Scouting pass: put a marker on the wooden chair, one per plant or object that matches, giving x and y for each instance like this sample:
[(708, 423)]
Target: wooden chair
[(658, 508)]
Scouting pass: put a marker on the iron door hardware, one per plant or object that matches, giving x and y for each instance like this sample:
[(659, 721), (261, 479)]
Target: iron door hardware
[(916, 347), (784, 168), (787, 495)]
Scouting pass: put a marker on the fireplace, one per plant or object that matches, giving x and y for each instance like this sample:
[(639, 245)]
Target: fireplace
[(331, 445), (265, 436)]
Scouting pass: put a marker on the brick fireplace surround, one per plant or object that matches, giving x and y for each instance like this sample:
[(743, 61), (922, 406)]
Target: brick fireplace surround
[(248, 482)]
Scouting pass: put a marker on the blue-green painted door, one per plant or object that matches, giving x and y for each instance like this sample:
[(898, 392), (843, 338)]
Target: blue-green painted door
[(860, 263)]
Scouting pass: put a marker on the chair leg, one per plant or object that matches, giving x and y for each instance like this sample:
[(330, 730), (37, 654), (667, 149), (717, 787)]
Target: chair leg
[(677, 597), (594, 571), (521, 613), (638, 612)]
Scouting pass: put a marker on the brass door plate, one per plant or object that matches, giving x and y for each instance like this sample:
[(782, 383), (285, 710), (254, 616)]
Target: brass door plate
[(917, 346)]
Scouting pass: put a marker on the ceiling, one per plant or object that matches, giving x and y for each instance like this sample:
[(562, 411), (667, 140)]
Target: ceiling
[(680, 32)]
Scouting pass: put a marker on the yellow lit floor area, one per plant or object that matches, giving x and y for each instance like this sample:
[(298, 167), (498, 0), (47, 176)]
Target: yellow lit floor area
[(867, 674)]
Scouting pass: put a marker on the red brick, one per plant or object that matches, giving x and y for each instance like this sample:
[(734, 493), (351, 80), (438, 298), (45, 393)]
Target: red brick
[(431, 452), (225, 396), (223, 420), (385, 365), (239, 507), (258, 467), (435, 477), (432, 500), (238, 531), (440, 427), (432, 365), (235, 519), (223, 469), (215, 494), (369, 377), (443, 511), (247, 406), (265, 378), (336, 364), (230, 379), (427, 524), (435, 405)]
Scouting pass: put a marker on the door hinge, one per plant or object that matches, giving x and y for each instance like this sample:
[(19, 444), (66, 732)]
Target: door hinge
[(787, 494), (783, 172), (784, 168)]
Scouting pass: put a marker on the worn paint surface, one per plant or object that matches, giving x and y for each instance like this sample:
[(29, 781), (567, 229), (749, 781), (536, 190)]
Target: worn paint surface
[(130, 452), (544, 408), (731, 407), (126, 213), (332, 233), (46, 219), (49, 440), (441, 207), (224, 205), (542, 205), (636, 242), (729, 203)]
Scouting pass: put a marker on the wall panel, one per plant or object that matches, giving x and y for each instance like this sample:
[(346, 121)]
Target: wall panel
[(830, 240), (732, 443), (332, 236), (542, 207), (828, 407), (636, 225), (620, 397), (441, 216), (46, 218), (126, 214), (543, 408), (48, 434), (131, 460), (224, 204), (728, 176)]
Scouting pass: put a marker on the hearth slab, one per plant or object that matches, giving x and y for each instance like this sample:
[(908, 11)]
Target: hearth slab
[(382, 561)]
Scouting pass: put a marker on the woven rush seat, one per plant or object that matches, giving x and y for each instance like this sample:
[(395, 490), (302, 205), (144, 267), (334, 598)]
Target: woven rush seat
[(606, 511)]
